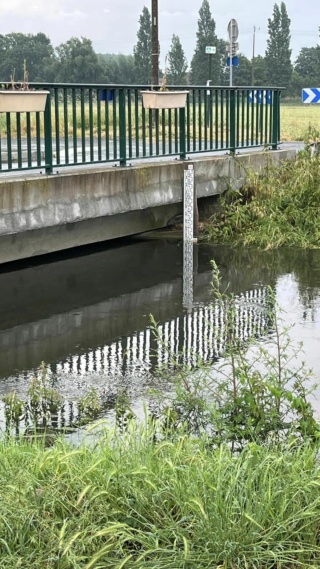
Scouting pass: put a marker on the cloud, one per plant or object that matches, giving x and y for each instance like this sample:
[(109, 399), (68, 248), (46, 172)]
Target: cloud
[(53, 10)]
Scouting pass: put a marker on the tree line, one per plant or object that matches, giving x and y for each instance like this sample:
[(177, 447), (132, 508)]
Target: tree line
[(75, 61)]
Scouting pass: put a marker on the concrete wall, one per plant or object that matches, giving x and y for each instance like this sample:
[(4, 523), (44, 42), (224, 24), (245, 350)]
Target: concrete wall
[(41, 214)]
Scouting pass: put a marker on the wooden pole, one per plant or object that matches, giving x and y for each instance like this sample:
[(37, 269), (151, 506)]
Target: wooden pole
[(154, 43)]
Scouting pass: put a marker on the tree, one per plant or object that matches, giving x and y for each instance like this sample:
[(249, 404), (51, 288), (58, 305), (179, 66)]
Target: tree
[(118, 68), (260, 71), (142, 49), (77, 62), (33, 49), (307, 64), (177, 63), (278, 53), (206, 35)]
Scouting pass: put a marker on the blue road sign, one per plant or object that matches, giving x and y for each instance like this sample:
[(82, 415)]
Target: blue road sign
[(311, 95), (235, 61), (260, 96)]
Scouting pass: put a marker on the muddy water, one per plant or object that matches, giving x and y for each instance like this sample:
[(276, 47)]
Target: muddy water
[(87, 316)]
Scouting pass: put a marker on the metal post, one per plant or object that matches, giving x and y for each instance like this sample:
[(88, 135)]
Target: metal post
[(188, 202), (232, 121), (122, 127), (231, 67), (48, 135), (155, 42), (275, 119), (182, 127)]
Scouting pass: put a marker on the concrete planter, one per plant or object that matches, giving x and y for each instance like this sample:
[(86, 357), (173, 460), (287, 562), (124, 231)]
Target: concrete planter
[(164, 99), (22, 101)]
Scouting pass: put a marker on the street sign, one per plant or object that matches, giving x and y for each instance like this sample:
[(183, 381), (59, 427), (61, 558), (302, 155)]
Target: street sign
[(211, 49), (260, 96), (233, 30), (311, 95), (235, 61), (234, 47)]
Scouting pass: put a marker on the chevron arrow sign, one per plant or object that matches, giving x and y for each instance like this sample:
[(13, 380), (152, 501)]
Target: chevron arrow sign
[(311, 95)]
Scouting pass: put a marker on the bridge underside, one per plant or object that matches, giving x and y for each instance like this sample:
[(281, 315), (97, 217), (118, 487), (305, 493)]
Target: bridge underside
[(42, 214)]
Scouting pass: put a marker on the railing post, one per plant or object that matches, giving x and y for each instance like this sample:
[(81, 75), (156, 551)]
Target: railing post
[(182, 128), (232, 121), (48, 135), (275, 119), (122, 127)]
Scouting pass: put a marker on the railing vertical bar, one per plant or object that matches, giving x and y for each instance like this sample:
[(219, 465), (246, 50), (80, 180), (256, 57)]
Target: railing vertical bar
[(265, 140), (227, 118), (83, 125), (57, 124), (188, 123), (144, 141), (206, 118), (91, 125), (270, 116), (222, 118), (194, 129), (107, 125), (176, 131), (233, 120), (48, 143), (257, 119), (136, 114), (261, 110), (247, 117), (238, 119), (200, 119), (66, 125), (157, 120), (150, 132), (216, 112), (19, 145), (122, 126), (242, 116), (29, 149), (252, 118), (211, 118), (170, 130), (129, 99), (163, 131), (99, 125), (74, 126), (114, 123), (38, 139)]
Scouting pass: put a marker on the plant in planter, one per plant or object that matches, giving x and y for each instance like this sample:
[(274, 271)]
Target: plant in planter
[(19, 98), (164, 99)]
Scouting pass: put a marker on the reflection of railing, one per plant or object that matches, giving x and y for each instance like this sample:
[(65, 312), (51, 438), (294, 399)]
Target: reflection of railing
[(91, 124), (200, 334)]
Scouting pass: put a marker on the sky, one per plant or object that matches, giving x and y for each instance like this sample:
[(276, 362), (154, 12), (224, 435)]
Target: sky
[(112, 25)]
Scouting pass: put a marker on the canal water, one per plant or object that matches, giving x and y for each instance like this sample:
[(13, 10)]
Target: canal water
[(87, 314)]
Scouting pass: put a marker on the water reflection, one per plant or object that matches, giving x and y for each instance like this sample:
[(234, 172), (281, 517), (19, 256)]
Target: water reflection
[(88, 318)]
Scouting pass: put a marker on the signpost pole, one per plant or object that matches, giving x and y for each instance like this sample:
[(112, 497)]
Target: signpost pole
[(231, 66)]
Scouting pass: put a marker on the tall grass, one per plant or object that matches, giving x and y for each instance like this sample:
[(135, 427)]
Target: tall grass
[(279, 206), (128, 502)]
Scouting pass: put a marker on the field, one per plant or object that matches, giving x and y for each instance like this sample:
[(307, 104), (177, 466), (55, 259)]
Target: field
[(296, 118)]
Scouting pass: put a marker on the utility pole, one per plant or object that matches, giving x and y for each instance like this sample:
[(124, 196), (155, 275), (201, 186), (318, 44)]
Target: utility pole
[(253, 54), (155, 43)]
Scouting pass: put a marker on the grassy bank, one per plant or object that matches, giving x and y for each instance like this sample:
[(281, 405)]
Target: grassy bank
[(131, 503), (277, 207), (296, 118)]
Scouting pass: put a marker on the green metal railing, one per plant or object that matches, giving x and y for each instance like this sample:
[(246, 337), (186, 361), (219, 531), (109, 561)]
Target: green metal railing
[(95, 124)]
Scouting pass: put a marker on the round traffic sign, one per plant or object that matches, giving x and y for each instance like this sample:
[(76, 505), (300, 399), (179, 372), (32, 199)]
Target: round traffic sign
[(233, 30)]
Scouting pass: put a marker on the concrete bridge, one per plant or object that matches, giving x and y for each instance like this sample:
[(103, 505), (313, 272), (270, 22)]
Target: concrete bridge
[(124, 174)]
